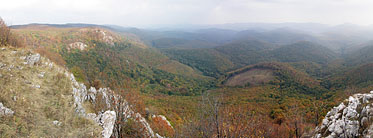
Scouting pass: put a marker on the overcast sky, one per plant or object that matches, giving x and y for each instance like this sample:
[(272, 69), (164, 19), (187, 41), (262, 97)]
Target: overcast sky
[(144, 12)]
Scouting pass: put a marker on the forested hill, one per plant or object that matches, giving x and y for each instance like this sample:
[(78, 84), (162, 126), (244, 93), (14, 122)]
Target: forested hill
[(272, 79), (361, 56), (248, 52), (97, 55)]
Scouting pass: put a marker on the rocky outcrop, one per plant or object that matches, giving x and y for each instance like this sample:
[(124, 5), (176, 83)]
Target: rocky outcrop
[(106, 119), (77, 45), (106, 37), (352, 118), (36, 93), (5, 111), (32, 59), (79, 98), (102, 35)]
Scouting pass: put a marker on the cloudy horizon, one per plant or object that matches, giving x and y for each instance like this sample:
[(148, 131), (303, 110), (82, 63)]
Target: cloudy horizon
[(145, 12)]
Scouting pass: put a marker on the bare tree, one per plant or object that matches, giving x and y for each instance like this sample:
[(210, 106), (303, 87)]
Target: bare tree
[(318, 107), (218, 119), (210, 116), (296, 121)]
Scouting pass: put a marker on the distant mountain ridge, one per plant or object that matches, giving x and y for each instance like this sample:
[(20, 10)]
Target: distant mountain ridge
[(67, 25), (284, 76), (340, 39)]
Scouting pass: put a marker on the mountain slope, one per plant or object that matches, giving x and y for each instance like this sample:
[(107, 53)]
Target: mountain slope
[(180, 43), (303, 51), (100, 55), (361, 76), (209, 61), (272, 72), (216, 61), (40, 95), (361, 56), (281, 36), (245, 52), (41, 99)]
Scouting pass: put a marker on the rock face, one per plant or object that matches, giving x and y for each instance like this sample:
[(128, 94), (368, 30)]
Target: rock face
[(107, 122), (5, 111), (106, 119), (352, 118)]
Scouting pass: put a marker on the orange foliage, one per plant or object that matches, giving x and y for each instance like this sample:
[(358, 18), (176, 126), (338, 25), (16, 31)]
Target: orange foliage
[(161, 126), (7, 37), (56, 58), (134, 98)]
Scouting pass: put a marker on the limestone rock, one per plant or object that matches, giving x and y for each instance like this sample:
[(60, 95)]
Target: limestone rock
[(353, 119), (5, 111), (106, 119), (32, 59), (57, 123), (77, 45), (92, 92), (107, 122)]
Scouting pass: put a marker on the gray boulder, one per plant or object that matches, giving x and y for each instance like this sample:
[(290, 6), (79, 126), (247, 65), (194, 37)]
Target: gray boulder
[(32, 59), (351, 118), (5, 111)]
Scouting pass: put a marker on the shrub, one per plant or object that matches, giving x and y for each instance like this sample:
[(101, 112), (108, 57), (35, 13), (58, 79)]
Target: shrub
[(7, 38), (53, 56)]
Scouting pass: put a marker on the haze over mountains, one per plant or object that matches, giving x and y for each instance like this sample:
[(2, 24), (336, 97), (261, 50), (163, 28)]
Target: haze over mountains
[(339, 38), (272, 76), (186, 68)]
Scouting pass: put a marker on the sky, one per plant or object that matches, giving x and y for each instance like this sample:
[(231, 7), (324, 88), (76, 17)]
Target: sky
[(139, 13)]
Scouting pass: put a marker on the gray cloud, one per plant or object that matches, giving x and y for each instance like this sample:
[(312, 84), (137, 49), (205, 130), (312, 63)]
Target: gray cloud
[(144, 12)]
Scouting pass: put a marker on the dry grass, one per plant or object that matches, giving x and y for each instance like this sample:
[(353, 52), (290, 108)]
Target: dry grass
[(7, 37), (36, 108), (251, 77)]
